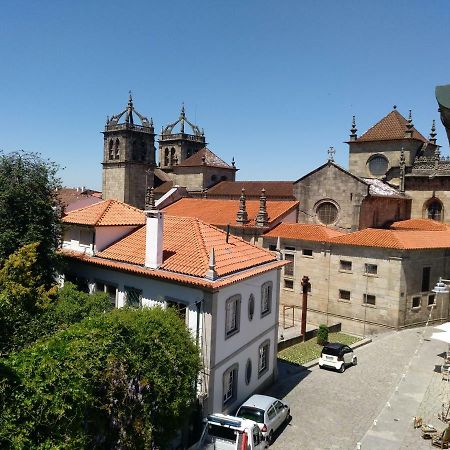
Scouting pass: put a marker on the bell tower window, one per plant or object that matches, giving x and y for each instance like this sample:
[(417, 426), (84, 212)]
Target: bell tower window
[(117, 150), (172, 156), (111, 149), (166, 157)]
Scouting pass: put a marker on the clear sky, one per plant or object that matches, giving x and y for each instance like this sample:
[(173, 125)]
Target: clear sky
[(273, 83)]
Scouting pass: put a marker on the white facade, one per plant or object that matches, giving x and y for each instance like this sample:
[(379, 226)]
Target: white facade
[(205, 313)]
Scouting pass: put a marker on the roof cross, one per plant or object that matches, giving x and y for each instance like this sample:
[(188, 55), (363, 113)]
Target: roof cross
[(331, 152)]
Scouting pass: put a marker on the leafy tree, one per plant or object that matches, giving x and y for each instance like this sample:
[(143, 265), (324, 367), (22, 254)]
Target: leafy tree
[(118, 380), (28, 208)]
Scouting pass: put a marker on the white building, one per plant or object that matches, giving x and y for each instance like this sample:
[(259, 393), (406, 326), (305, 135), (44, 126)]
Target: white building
[(225, 289)]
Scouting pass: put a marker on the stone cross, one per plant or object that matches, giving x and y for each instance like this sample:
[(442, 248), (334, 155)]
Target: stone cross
[(331, 152)]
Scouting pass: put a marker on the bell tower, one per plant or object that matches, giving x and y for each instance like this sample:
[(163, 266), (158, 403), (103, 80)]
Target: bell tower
[(175, 147), (128, 156)]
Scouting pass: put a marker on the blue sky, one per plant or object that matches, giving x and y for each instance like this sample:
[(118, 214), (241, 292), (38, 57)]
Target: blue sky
[(273, 83)]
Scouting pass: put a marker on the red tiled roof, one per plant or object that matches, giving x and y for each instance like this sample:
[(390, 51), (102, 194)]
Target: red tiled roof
[(396, 239), (223, 212), (420, 224), (303, 231), (283, 189), (211, 160), (390, 127), (187, 246), (108, 212)]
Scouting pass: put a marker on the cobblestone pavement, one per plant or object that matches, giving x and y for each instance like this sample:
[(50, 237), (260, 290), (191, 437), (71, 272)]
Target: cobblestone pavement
[(395, 380)]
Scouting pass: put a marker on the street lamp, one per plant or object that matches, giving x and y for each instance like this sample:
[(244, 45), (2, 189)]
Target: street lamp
[(441, 288)]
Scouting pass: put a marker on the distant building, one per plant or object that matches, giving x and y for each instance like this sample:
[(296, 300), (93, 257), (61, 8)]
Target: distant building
[(130, 166), (369, 280), (74, 198), (224, 289)]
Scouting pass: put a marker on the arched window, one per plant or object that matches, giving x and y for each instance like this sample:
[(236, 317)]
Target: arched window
[(111, 149), (166, 157), (434, 209), (172, 156), (378, 165), (117, 150), (189, 152), (327, 213)]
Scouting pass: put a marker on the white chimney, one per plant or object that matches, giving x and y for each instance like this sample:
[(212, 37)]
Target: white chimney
[(154, 238)]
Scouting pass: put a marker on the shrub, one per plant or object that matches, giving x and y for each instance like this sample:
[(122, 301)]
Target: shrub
[(322, 334)]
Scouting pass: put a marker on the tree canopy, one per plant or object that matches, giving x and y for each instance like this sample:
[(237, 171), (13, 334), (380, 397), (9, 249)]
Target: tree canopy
[(29, 210), (123, 379)]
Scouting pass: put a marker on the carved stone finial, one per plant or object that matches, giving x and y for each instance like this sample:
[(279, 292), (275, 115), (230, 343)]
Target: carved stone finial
[(242, 215), (233, 164), (150, 199), (433, 133), (211, 273), (331, 151), (204, 160), (262, 219), (409, 126), (205, 193), (402, 164), (353, 130), (394, 107)]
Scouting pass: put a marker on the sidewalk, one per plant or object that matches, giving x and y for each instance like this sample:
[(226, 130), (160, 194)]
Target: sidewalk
[(420, 391)]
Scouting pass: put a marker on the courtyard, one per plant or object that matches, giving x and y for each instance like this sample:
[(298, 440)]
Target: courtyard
[(370, 406)]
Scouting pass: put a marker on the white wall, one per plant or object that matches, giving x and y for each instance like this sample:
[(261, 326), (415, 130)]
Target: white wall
[(244, 345), (71, 239), (104, 236)]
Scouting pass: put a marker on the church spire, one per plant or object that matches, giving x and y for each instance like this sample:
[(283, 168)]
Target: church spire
[(262, 219), (409, 126), (433, 133), (353, 130), (402, 165), (242, 215)]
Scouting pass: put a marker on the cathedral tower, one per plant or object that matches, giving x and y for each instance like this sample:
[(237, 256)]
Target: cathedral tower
[(175, 147), (128, 157)]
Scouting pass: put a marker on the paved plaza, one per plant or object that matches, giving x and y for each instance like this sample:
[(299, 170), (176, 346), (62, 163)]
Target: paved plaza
[(371, 405)]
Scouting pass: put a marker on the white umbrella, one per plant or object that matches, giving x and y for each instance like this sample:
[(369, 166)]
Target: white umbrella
[(444, 337), (443, 327)]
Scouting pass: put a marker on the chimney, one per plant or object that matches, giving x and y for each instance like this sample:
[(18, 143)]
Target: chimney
[(153, 233)]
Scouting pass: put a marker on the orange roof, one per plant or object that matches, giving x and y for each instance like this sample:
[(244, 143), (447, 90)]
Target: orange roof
[(187, 246), (420, 224), (108, 212), (396, 239), (390, 127), (303, 231), (223, 212)]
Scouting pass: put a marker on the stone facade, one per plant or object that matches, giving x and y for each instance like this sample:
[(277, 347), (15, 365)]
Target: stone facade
[(339, 283)]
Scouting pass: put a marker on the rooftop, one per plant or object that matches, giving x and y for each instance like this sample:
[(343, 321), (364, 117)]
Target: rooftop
[(106, 213), (390, 127), (420, 225), (279, 189), (303, 231), (205, 157), (223, 212)]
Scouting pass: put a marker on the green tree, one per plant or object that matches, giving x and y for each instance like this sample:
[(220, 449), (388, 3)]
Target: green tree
[(29, 208), (118, 380)]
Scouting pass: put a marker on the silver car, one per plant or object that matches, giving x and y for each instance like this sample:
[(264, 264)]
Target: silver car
[(268, 412)]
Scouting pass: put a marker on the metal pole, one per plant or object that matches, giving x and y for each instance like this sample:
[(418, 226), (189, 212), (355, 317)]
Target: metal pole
[(305, 286)]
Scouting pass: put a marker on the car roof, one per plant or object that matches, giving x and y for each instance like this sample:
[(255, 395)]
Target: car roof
[(259, 401), (335, 345)]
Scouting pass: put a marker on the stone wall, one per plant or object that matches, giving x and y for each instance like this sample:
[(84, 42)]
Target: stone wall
[(378, 211)]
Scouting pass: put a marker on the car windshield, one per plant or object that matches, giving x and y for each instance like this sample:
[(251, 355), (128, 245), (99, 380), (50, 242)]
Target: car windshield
[(246, 412), (332, 351), (216, 431)]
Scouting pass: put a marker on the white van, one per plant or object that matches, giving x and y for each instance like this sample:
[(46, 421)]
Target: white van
[(223, 432)]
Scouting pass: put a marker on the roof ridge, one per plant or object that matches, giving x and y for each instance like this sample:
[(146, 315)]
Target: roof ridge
[(102, 214)]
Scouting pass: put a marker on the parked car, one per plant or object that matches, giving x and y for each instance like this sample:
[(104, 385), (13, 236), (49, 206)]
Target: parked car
[(337, 356), (268, 412)]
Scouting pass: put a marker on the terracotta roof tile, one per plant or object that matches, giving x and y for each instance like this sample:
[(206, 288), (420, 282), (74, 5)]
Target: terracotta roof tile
[(396, 239), (232, 189), (108, 212), (420, 224), (390, 127), (223, 212), (303, 231), (187, 246), (211, 160)]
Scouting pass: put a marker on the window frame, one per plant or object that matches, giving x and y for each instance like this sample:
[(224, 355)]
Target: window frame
[(426, 278), (343, 262), (370, 273), (263, 359), (366, 302), (289, 269), (434, 300), (343, 298), (231, 387), (288, 281), (236, 311), (416, 297), (126, 290), (266, 301)]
